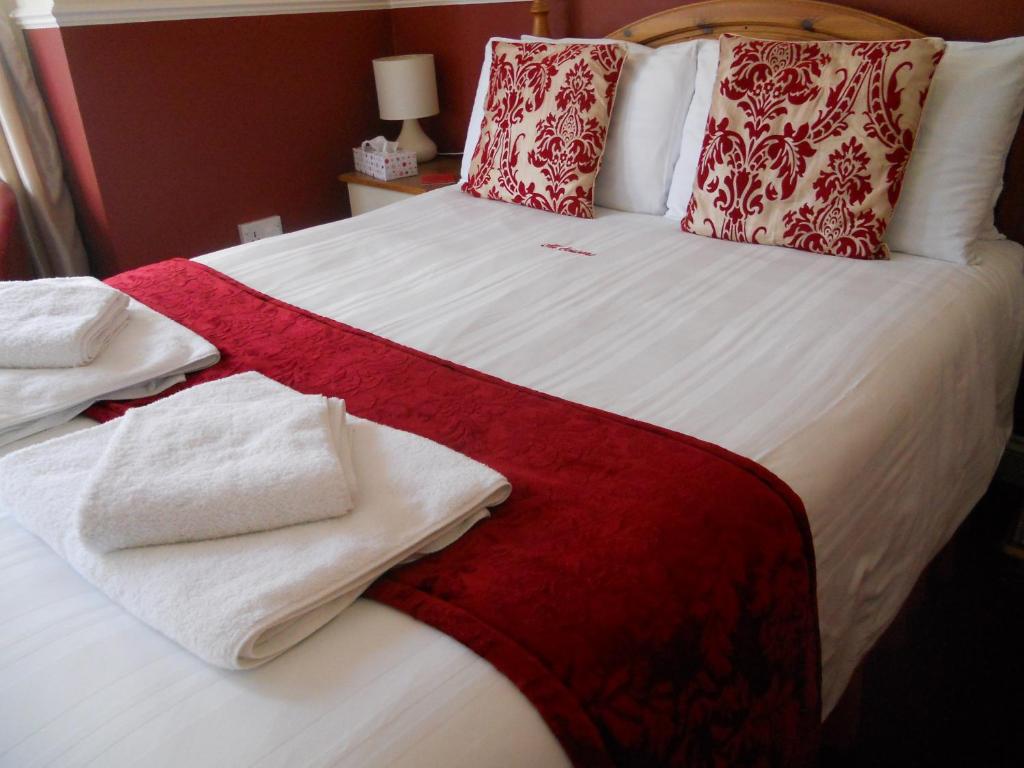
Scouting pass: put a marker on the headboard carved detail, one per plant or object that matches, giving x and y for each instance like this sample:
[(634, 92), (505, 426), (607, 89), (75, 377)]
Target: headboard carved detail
[(773, 19)]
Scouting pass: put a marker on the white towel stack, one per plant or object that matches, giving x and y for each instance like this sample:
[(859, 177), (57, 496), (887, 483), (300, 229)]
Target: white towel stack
[(241, 599), (204, 471), (59, 322), (149, 354)]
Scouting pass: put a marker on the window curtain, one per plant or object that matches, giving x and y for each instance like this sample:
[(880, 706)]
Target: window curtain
[(30, 163)]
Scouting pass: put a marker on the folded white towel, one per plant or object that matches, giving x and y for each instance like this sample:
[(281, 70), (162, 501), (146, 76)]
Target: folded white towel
[(58, 322), (242, 600), (205, 471), (150, 354)]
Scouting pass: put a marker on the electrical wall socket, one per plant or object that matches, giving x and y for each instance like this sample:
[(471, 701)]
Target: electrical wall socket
[(257, 230)]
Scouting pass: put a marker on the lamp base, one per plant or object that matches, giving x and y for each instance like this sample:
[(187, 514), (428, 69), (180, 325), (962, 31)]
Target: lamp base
[(414, 139)]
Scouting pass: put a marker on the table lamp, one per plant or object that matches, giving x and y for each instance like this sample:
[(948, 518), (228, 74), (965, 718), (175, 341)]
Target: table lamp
[(407, 90)]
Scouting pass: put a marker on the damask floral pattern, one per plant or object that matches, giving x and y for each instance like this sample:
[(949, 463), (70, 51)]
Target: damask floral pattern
[(807, 142), (652, 595), (545, 125)]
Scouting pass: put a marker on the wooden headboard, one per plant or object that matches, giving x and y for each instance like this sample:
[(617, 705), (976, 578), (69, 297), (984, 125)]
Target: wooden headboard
[(773, 19)]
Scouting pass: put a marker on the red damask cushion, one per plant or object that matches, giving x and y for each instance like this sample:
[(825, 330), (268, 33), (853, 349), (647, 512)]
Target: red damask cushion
[(807, 142), (545, 125)]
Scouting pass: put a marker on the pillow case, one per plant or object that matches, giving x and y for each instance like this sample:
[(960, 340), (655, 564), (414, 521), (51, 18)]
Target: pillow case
[(956, 173), (476, 117), (545, 125), (651, 104), (807, 143), (692, 137)]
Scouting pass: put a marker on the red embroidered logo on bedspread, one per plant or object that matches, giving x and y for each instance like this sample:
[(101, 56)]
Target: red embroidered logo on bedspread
[(565, 249), (806, 144), (545, 125)]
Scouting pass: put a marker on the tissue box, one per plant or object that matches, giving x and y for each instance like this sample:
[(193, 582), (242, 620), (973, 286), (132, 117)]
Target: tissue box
[(385, 166)]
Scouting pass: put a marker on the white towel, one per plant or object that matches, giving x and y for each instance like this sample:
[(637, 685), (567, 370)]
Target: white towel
[(204, 470), (240, 601), (150, 354), (58, 322)]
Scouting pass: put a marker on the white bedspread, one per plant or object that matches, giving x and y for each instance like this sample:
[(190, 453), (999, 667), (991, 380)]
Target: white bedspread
[(881, 392)]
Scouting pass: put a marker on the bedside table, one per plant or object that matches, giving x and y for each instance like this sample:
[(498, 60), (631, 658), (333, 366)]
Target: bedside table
[(366, 193)]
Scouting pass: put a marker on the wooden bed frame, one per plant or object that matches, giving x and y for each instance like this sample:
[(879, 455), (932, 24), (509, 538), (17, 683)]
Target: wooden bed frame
[(782, 20), (773, 19)]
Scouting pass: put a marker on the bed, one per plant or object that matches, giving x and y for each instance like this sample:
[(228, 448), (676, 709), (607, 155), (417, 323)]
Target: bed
[(887, 417)]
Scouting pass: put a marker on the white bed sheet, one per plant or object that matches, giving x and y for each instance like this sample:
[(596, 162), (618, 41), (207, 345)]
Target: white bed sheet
[(881, 392)]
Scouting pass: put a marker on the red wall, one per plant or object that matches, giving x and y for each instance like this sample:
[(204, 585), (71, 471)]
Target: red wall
[(174, 132), (456, 35)]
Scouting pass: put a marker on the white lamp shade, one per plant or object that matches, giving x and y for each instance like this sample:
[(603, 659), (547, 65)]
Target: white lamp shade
[(406, 86)]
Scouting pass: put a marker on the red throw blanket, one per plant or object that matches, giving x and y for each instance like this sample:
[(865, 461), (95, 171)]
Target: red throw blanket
[(651, 594)]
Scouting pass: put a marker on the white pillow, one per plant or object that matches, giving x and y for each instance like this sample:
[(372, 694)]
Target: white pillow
[(693, 129), (651, 100), (955, 174)]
